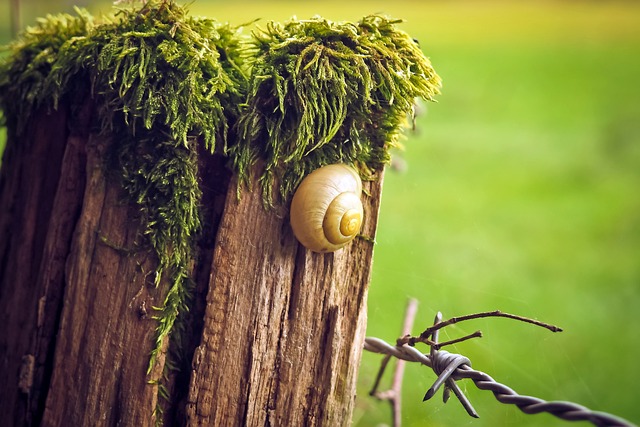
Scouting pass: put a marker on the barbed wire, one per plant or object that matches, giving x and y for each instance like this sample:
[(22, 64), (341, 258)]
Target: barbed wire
[(451, 367)]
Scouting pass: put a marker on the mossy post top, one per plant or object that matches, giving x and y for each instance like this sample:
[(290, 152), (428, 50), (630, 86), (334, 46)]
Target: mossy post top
[(297, 95)]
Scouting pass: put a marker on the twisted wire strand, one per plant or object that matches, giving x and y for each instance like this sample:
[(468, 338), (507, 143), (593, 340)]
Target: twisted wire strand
[(439, 360)]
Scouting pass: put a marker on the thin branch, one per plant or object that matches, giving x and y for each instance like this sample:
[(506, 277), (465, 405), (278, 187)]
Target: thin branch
[(374, 390), (439, 345), (393, 395), (14, 6), (424, 336)]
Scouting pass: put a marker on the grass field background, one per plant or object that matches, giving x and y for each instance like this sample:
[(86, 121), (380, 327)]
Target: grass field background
[(522, 193)]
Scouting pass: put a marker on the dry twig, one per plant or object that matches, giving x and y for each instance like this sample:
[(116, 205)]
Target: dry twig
[(393, 395)]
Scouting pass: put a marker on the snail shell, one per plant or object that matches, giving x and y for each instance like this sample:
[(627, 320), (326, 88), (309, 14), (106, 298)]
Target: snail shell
[(326, 211)]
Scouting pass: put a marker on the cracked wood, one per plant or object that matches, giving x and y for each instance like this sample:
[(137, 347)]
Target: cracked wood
[(284, 326)]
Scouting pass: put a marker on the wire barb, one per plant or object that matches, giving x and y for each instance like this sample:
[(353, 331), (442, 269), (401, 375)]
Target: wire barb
[(451, 367)]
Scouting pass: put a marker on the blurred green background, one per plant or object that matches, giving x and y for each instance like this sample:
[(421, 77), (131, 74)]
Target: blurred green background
[(521, 193)]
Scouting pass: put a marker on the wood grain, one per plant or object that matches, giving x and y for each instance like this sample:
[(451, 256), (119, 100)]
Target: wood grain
[(274, 336), (103, 343), (29, 177), (284, 327)]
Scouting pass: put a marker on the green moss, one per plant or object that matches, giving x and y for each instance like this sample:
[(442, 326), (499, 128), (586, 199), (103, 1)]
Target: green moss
[(24, 72), (324, 92)]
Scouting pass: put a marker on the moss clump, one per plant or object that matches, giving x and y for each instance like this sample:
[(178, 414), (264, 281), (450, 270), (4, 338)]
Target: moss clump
[(324, 92), (24, 72)]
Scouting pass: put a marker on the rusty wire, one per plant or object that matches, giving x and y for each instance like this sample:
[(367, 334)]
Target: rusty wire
[(450, 367)]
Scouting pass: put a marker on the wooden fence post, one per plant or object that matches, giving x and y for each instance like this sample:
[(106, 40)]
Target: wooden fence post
[(281, 332), (136, 287)]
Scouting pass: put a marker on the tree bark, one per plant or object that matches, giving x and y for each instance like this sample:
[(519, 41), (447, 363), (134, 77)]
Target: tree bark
[(274, 337)]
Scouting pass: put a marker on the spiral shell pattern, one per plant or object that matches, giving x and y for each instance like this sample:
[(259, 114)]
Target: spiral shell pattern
[(326, 211)]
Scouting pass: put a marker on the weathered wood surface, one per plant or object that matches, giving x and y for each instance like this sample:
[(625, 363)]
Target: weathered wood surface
[(284, 327), (28, 180), (99, 366), (74, 346), (275, 334)]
